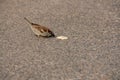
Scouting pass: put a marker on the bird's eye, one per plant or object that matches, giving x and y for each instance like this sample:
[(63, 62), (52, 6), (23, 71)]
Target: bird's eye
[(49, 31)]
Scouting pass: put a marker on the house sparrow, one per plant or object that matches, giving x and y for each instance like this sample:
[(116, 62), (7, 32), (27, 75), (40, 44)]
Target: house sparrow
[(40, 30)]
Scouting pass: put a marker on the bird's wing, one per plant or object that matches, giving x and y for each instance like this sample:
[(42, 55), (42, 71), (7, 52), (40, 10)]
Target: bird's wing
[(41, 28)]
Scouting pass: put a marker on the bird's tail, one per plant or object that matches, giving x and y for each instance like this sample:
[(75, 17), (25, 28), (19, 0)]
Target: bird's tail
[(27, 20)]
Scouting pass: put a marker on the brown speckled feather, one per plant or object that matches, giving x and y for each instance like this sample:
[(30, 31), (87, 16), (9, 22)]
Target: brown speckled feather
[(40, 30), (39, 27)]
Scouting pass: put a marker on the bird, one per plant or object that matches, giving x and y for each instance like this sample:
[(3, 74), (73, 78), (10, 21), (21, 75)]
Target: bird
[(40, 30)]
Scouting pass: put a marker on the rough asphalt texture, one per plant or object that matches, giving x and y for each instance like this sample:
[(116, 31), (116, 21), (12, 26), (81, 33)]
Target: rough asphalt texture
[(92, 51)]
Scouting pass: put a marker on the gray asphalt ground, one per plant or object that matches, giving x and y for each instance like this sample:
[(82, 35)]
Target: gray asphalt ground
[(91, 52)]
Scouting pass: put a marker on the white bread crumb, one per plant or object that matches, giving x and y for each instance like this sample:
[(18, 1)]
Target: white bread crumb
[(62, 37)]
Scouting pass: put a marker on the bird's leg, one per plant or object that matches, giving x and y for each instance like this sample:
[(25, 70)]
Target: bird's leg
[(37, 35)]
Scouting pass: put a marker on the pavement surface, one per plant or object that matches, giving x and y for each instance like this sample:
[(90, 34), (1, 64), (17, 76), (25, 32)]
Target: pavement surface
[(91, 52)]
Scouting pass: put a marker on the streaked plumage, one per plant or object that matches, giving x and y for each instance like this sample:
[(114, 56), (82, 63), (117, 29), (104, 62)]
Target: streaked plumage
[(40, 30)]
